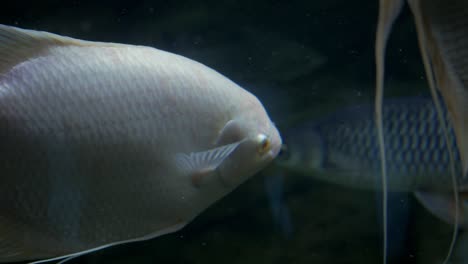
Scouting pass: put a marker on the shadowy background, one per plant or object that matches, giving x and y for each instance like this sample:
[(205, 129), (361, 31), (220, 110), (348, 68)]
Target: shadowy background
[(302, 59)]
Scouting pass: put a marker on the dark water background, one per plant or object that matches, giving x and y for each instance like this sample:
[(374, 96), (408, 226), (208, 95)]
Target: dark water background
[(301, 58)]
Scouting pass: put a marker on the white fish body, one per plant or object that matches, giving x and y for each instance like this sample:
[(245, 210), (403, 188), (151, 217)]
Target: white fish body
[(103, 143)]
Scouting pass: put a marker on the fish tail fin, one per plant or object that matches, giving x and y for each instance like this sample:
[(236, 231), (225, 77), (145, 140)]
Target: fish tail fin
[(388, 12)]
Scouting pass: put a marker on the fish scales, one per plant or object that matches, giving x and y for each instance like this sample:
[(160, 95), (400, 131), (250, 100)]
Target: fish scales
[(417, 155), (105, 143)]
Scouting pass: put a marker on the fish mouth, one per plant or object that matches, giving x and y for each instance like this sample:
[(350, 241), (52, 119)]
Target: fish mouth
[(273, 153), (276, 143)]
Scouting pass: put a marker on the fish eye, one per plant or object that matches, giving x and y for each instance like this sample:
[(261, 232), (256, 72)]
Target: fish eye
[(264, 143)]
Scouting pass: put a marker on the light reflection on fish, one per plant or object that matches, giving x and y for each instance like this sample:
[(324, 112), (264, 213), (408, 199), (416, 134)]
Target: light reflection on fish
[(105, 143)]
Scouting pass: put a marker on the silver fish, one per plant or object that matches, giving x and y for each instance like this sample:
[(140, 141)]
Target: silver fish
[(343, 147), (105, 143)]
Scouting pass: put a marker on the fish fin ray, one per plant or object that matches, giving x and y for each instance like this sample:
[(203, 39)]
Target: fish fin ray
[(389, 10), (198, 164), (65, 258)]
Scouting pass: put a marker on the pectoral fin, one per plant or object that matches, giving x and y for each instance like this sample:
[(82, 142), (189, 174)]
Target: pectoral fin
[(198, 165)]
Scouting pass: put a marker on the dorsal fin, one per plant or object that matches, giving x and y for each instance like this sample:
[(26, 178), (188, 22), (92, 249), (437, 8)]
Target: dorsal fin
[(17, 45)]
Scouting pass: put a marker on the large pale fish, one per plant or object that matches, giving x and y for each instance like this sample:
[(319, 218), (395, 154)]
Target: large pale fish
[(104, 143)]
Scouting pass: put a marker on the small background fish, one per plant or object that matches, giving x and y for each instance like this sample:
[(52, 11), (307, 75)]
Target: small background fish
[(343, 148)]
